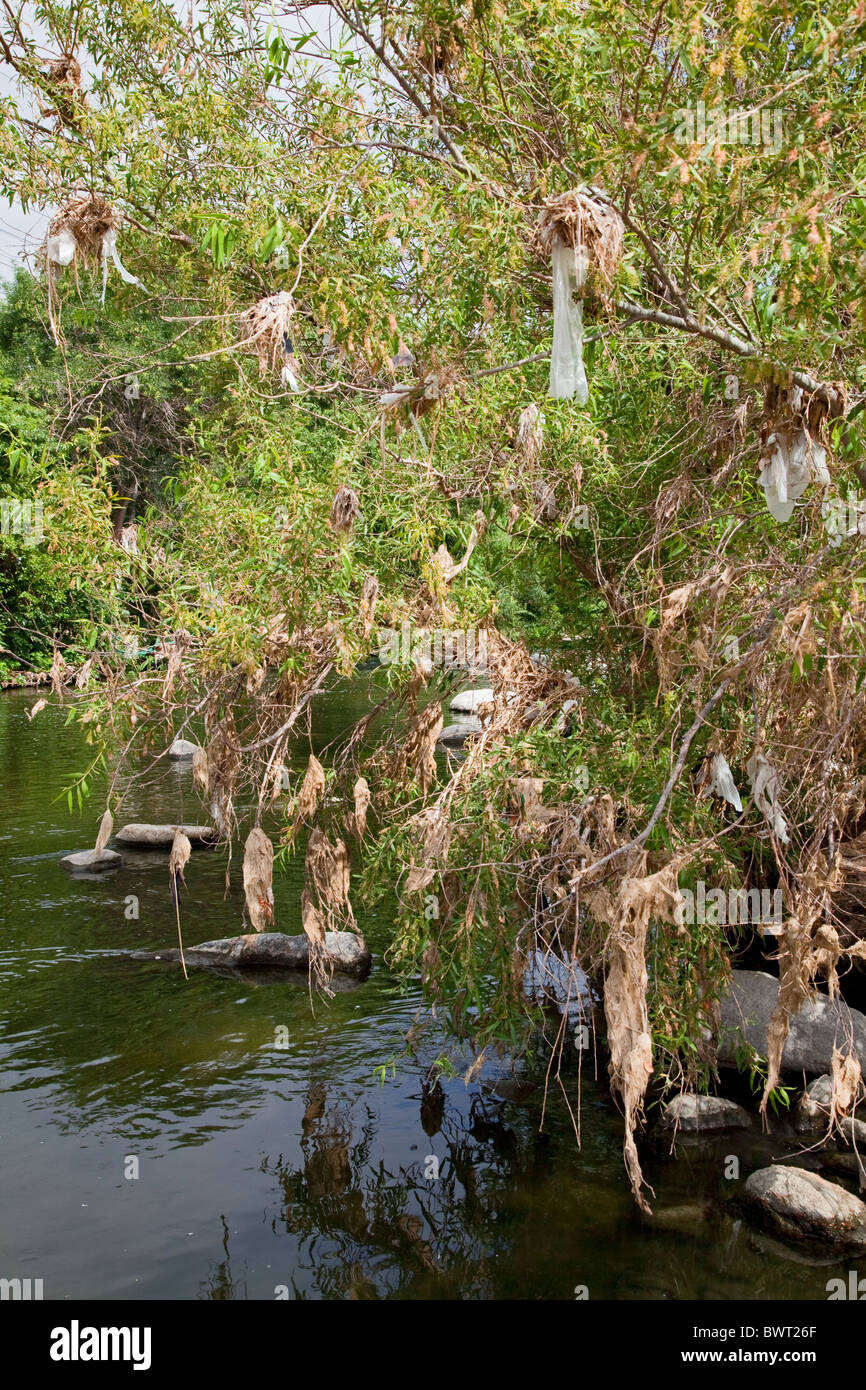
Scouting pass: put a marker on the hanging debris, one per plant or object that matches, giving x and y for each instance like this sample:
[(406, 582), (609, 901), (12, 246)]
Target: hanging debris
[(325, 903), (764, 782), (581, 233), (82, 233), (259, 879), (432, 832), (530, 434), (103, 835), (793, 452), (419, 750), (181, 849), (344, 510), (638, 901), (722, 781), (67, 93), (266, 332), (357, 819), (308, 798), (223, 764)]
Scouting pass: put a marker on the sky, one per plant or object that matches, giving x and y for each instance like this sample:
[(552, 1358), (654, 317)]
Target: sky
[(21, 233)]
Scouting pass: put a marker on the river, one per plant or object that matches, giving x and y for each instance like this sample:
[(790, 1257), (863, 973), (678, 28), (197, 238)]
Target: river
[(219, 1138)]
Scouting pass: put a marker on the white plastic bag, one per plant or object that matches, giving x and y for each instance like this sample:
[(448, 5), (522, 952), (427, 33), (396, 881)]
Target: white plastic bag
[(791, 463), (109, 249), (722, 781), (61, 248), (567, 377), (764, 781)]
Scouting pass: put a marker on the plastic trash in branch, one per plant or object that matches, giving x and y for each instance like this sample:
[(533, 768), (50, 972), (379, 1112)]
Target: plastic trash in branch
[(567, 375), (722, 781)]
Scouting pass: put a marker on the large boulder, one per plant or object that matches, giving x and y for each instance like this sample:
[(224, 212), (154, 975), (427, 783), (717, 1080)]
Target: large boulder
[(272, 950), (143, 836), (92, 862), (802, 1206), (693, 1114), (821, 1025)]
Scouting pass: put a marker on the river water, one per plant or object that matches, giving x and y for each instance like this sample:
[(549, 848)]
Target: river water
[(222, 1139)]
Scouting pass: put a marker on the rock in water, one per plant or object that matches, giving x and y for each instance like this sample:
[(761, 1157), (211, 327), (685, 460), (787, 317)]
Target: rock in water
[(182, 748), (801, 1206), (693, 1114), (162, 836), (92, 861), (455, 735), (273, 949), (820, 1025), (470, 701)]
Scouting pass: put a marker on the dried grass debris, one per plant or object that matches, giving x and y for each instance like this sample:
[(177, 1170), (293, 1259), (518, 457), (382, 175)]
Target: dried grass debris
[(258, 875)]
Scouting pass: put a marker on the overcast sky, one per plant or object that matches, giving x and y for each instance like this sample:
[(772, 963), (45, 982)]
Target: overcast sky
[(21, 233)]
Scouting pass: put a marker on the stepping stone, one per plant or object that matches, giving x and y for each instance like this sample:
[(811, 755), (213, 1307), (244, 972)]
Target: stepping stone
[(87, 860), (161, 836)]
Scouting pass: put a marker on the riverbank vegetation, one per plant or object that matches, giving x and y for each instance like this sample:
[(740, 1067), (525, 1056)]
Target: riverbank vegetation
[(314, 405)]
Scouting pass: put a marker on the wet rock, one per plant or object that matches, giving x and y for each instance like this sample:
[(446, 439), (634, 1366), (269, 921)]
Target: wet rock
[(549, 978), (694, 1114), (182, 748), (846, 1162), (821, 1024), (160, 836), (455, 735), (88, 861), (813, 1108), (470, 701), (803, 1207), (812, 1114), (272, 950)]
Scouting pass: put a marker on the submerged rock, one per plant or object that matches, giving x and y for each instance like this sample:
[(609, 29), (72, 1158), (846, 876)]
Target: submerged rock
[(161, 836), (548, 978), (89, 861), (694, 1114), (182, 748), (272, 949), (821, 1025), (802, 1206)]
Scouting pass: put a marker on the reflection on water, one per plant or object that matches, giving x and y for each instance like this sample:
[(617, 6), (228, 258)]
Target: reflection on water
[(272, 1162)]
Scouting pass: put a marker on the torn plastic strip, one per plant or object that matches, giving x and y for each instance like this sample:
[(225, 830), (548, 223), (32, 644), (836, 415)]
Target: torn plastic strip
[(109, 248), (567, 376)]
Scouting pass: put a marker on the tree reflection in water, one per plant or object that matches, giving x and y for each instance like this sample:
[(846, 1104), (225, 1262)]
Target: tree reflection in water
[(365, 1232)]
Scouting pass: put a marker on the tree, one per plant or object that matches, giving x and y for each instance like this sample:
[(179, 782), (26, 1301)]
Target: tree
[(356, 213)]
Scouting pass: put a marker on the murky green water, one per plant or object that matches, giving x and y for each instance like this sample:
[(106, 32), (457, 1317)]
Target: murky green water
[(266, 1170)]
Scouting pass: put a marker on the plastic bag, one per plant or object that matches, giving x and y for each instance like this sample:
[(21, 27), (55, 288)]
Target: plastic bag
[(764, 782), (722, 781), (790, 465), (61, 248), (109, 249), (567, 377)]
